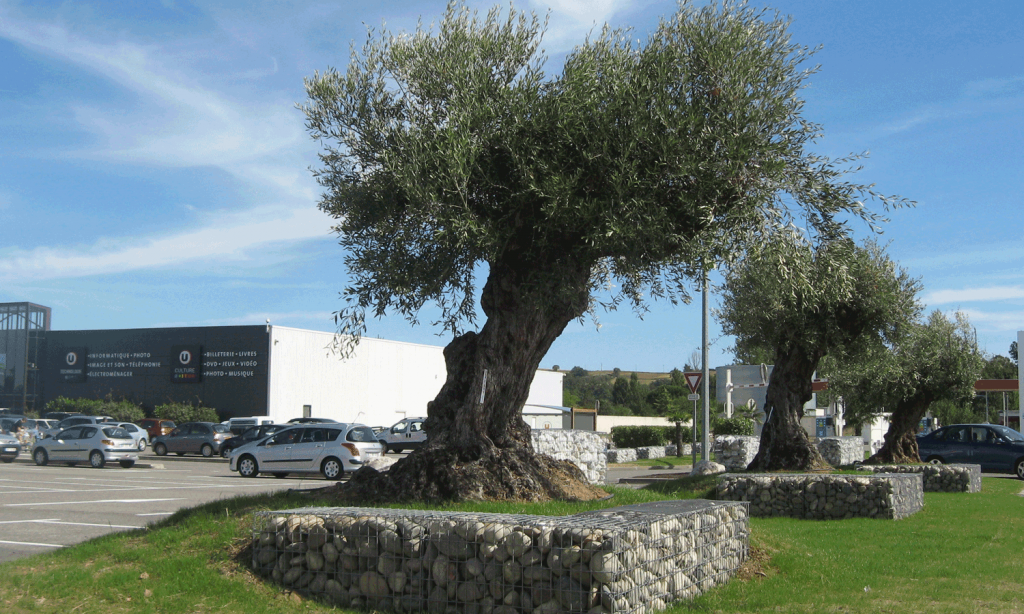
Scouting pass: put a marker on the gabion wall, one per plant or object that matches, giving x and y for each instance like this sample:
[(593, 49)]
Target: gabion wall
[(840, 451), (628, 455), (938, 478), (585, 449), (827, 496), (736, 451), (632, 559)]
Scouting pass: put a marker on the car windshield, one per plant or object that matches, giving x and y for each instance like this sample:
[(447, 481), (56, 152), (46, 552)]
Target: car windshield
[(116, 432), (220, 428), (1009, 433)]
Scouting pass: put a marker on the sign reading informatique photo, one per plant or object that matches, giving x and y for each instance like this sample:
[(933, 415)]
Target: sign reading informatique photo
[(186, 364)]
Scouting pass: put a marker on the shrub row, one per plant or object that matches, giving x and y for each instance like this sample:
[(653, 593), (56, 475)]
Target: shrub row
[(644, 436), (126, 411)]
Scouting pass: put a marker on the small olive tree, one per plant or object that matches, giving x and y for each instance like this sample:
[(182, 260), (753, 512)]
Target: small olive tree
[(802, 302)]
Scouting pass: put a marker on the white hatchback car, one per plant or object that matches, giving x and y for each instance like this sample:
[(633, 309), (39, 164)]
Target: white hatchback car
[(328, 449), (95, 444)]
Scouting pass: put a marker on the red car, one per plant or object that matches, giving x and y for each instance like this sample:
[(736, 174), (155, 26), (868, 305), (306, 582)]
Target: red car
[(156, 426)]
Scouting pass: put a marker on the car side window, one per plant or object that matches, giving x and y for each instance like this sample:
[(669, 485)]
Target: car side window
[(284, 437), (978, 434), (313, 435), (400, 427), (956, 435), (71, 433), (361, 434), (416, 427), (333, 434), (88, 432)]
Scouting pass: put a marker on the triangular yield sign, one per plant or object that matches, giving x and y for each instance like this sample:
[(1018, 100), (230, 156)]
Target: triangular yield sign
[(693, 380)]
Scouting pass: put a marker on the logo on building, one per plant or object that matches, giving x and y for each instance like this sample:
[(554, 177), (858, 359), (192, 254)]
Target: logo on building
[(186, 363), (71, 358), (185, 357)]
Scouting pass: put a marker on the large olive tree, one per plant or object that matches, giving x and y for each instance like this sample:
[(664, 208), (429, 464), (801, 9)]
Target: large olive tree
[(450, 159), (803, 301)]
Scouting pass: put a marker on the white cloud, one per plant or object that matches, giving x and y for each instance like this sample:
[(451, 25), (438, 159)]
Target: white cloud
[(969, 295), (225, 237), (998, 321)]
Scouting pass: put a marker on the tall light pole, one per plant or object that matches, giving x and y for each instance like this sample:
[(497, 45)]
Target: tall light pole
[(704, 443)]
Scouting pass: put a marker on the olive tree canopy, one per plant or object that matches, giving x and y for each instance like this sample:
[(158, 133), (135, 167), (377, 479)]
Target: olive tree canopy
[(449, 153)]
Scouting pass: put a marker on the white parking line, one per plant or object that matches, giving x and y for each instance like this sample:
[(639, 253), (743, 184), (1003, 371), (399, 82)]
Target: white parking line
[(76, 524), (2, 541), (97, 501)]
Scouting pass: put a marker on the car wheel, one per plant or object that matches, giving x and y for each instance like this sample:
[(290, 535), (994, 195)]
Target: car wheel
[(225, 452), (385, 445), (40, 457), (331, 468), (127, 464), (160, 449), (1019, 468), (142, 445), (96, 459), (206, 450), (247, 467)]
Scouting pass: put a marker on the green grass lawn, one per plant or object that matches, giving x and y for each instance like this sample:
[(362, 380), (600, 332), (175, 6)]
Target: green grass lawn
[(962, 553)]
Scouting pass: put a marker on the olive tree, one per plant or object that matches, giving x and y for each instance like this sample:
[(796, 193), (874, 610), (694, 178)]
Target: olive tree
[(931, 362), (451, 160), (801, 301)]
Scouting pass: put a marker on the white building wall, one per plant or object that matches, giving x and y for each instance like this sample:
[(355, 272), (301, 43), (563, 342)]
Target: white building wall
[(381, 383)]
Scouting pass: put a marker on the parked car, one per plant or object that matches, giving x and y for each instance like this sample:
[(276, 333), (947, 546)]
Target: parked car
[(78, 420), (9, 423), (406, 435), (96, 444), (156, 427), (9, 448), (239, 425), (996, 448), (203, 438), (60, 415), (329, 449), (313, 421), (253, 433), (137, 433)]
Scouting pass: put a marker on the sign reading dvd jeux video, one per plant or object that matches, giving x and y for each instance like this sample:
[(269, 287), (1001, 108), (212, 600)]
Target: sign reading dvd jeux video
[(186, 364)]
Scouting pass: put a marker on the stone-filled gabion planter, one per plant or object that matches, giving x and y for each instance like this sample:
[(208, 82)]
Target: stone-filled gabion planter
[(841, 451), (938, 478), (736, 451), (632, 559), (585, 449), (825, 496), (628, 455)]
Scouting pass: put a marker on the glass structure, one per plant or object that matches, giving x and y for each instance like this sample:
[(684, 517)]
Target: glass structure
[(22, 330)]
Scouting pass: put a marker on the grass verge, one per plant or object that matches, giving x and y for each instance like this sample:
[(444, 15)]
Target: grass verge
[(960, 554)]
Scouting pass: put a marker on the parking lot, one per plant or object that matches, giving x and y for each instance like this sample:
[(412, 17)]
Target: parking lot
[(44, 508)]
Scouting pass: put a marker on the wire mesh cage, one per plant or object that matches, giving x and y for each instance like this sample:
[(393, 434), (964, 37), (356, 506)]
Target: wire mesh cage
[(630, 559)]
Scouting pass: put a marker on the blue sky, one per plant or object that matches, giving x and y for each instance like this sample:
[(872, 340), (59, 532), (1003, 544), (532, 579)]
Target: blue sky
[(154, 169)]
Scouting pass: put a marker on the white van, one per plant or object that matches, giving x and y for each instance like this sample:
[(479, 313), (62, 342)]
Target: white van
[(406, 435), (239, 424)]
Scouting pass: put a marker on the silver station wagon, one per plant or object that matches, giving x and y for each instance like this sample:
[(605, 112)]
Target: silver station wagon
[(95, 444), (328, 449)]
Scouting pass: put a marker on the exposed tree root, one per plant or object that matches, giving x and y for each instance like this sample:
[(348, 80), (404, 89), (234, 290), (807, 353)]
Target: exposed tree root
[(437, 475)]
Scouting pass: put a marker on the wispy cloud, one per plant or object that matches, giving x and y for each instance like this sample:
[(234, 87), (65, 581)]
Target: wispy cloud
[(1000, 321), (320, 319), (229, 236), (969, 295)]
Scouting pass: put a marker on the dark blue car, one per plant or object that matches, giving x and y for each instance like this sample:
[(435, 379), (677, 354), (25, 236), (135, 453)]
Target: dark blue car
[(996, 448)]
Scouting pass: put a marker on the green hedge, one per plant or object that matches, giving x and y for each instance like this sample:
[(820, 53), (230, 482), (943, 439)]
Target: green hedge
[(733, 426), (640, 436), (184, 412)]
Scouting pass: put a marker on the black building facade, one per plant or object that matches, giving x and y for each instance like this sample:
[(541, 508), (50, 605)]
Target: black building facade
[(223, 367)]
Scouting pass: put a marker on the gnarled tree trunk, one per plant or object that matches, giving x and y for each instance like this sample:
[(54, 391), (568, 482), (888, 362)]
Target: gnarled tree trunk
[(900, 444), (478, 446), (784, 443)]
